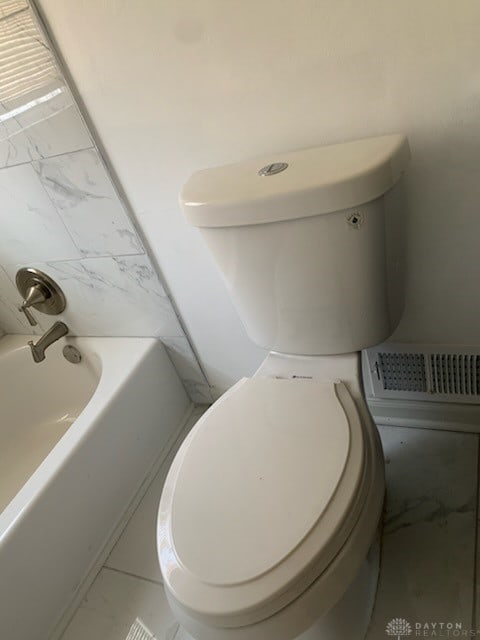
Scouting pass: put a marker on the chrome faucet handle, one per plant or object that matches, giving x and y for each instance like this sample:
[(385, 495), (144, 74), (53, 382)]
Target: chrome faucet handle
[(34, 295)]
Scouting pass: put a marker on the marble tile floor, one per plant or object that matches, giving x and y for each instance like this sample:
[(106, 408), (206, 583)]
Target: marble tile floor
[(428, 571)]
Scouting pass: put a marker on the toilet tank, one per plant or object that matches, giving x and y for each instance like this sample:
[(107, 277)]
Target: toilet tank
[(300, 240)]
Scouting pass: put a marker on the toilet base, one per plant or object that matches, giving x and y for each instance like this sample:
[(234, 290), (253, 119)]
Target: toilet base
[(351, 616)]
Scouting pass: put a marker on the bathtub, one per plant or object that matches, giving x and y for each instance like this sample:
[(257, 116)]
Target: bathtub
[(78, 444)]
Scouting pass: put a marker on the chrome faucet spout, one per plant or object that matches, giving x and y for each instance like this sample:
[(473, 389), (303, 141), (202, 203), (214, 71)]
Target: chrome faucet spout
[(56, 331)]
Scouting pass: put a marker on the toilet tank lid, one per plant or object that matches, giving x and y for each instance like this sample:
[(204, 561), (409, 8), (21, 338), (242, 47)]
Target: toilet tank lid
[(315, 181)]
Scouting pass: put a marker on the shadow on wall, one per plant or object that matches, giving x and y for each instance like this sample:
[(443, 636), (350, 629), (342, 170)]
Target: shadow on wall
[(442, 231)]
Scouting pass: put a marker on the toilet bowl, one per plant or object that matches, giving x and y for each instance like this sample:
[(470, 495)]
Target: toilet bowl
[(269, 516), (269, 510)]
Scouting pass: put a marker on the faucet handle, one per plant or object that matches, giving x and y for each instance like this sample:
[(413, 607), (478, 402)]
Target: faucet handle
[(39, 291), (33, 295), (28, 315)]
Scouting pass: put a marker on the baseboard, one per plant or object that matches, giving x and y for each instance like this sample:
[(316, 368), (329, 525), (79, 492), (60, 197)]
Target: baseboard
[(425, 415), (85, 584)]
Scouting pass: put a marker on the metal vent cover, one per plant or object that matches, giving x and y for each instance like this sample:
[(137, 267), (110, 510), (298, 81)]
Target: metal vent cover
[(402, 371), (454, 373), (449, 374)]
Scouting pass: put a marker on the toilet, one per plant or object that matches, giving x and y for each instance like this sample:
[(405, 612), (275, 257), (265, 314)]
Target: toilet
[(268, 525)]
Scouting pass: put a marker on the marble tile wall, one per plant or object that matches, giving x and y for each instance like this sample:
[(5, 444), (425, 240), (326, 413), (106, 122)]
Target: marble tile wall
[(60, 211)]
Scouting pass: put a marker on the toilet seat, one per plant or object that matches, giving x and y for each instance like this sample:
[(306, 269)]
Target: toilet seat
[(231, 553)]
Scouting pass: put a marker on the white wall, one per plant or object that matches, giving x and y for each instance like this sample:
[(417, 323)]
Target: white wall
[(173, 86)]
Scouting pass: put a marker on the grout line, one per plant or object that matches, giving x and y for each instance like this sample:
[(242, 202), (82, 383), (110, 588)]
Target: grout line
[(133, 575), (102, 256), (5, 167), (475, 544)]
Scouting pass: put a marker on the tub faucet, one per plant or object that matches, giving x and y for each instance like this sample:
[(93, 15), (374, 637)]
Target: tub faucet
[(56, 331)]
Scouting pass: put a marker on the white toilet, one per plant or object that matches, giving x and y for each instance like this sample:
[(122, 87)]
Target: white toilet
[(268, 521)]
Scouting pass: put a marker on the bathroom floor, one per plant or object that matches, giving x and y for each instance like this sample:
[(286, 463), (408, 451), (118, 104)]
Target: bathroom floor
[(429, 558)]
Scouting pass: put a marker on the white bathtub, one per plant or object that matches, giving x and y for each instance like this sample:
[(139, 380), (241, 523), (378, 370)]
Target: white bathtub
[(77, 445)]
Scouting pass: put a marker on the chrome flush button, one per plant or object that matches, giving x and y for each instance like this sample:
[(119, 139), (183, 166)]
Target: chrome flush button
[(272, 169)]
